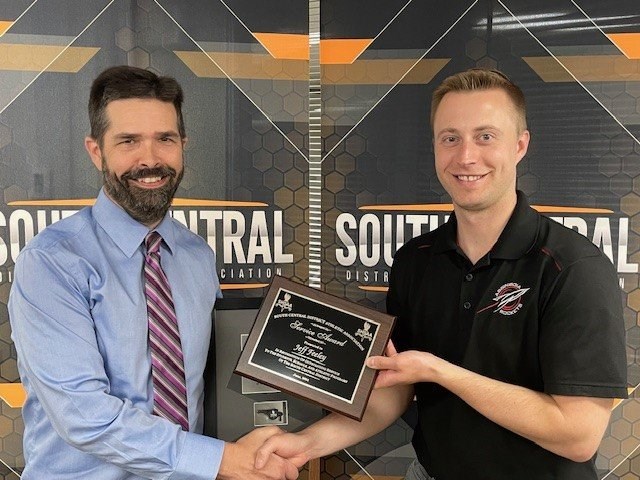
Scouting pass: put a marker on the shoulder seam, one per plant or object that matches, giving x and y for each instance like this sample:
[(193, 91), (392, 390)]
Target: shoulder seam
[(548, 253)]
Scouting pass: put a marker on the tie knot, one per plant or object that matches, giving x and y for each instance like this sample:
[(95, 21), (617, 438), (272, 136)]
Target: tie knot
[(152, 242)]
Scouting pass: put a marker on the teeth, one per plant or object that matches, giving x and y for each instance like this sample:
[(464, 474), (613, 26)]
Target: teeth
[(469, 178), (150, 179)]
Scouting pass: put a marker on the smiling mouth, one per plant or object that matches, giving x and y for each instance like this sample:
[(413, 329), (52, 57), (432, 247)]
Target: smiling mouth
[(150, 182), (469, 178), (149, 179)]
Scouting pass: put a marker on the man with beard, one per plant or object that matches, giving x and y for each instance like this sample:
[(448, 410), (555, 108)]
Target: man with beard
[(98, 403)]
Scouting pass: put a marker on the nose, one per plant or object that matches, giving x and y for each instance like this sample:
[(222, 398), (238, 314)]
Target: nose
[(468, 153), (149, 155)]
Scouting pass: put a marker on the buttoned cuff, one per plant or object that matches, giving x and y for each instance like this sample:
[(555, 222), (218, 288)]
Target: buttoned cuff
[(200, 458)]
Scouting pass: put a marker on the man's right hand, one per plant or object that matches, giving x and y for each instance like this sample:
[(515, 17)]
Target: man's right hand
[(238, 459), (292, 446), (334, 432)]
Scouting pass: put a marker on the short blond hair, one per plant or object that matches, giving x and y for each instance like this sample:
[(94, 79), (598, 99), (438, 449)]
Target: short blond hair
[(482, 79)]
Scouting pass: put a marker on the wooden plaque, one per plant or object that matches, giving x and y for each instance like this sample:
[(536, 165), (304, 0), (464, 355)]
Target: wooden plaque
[(314, 345)]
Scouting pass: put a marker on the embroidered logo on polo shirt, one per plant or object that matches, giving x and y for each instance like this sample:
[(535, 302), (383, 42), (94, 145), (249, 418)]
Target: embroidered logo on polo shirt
[(508, 299)]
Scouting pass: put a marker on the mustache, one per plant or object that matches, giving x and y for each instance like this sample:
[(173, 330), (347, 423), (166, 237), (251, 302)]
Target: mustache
[(135, 174)]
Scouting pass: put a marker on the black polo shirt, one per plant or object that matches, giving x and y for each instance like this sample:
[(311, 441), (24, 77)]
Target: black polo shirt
[(542, 310)]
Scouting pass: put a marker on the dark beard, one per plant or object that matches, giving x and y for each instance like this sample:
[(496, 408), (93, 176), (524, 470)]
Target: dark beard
[(147, 206)]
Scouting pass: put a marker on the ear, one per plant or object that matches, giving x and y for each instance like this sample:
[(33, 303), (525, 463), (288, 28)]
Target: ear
[(91, 144), (522, 145)]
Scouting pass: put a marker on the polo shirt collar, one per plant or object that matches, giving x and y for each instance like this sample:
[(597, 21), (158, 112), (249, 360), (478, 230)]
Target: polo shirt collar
[(447, 240), (517, 238), (520, 233), (127, 233)]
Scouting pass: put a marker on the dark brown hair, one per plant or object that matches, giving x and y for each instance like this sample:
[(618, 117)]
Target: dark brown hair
[(482, 79), (122, 82)]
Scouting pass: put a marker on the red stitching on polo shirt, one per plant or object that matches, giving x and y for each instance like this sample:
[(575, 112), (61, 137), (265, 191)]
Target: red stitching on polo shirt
[(486, 308), (548, 253)]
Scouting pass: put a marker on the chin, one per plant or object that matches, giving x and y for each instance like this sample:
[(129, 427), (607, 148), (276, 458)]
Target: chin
[(470, 205)]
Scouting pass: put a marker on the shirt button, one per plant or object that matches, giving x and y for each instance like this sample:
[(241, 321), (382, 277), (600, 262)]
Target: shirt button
[(467, 305), (468, 277)]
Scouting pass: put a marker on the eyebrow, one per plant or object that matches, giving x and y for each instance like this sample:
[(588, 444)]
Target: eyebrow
[(487, 127), (168, 133), (126, 135), (477, 129), (446, 130)]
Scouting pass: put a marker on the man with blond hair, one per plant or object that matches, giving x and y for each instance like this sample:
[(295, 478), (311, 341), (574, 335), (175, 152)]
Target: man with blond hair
[(509, 326)]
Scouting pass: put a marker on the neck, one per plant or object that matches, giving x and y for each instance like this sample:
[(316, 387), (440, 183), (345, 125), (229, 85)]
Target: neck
[(478, 231)]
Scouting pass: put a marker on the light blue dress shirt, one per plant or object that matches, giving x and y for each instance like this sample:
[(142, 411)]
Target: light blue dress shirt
[(79, 322)]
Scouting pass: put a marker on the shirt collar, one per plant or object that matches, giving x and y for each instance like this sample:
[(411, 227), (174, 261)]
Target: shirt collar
[(447, 240), (517, 238), (520, 233), (127, 233)]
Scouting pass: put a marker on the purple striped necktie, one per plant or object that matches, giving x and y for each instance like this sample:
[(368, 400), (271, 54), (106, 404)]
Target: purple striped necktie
[(167, 365)]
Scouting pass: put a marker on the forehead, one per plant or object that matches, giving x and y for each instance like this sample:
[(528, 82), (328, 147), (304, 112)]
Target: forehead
[(141, 114), (493, 106)]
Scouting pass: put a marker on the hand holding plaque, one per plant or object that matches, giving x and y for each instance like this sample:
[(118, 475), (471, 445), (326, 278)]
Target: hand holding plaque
[(314, 345)]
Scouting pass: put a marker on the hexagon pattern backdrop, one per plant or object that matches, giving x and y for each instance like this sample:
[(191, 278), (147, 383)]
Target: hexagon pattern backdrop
[(309, 151)]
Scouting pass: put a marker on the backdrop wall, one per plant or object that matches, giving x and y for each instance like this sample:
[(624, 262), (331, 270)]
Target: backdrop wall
[(309, 150)]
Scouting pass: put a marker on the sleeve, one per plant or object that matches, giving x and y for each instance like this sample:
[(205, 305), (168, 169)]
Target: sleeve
[(395, 304), (582, 340), (61, 365)]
